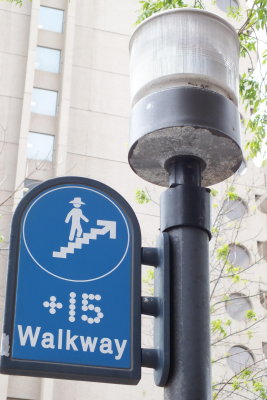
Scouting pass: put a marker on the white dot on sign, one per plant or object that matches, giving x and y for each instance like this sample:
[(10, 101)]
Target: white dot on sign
[(72, 307), (100, 315), (84, 308), (91, 296), (72, 313), (97, 309), (91, 307), (71, 319), (97, 297), (52, 304), (84, 317), (85, 302), (72, 301), (52, 311), (72, 294), (85, 296), (97, 320), (59, 305), (46, 303), (53, 298), (90, 320)]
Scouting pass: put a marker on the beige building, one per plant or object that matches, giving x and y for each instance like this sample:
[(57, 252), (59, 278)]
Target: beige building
[(64, 110)]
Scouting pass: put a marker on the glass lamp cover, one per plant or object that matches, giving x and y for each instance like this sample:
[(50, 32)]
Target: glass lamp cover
[(184, 47)]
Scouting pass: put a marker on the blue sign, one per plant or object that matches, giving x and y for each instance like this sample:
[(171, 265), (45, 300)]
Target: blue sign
[(75, 264)]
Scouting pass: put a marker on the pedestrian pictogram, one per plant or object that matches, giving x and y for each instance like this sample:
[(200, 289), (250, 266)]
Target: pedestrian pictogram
[(76, 215), (85, 238), (76, 224)]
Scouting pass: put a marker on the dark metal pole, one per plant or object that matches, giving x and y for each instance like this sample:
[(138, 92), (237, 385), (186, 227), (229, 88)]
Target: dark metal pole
[(185, 215)]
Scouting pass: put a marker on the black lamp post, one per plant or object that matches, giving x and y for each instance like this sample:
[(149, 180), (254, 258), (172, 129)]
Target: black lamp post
[(185, 134)]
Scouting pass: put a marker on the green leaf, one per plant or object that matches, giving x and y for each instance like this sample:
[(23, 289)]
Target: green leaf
[(222, 252), (214, 192), (141, 197), (250, 334), (17, 2), (251, 315)]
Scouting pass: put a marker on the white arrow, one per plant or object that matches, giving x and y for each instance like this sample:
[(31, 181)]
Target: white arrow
[(108, 226)]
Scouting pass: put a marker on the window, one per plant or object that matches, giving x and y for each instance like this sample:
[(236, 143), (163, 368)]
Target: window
[(225, 5), (29, 184), (44, 101), (40, 146), (263, 204), (239, 358), (242, 169), (263, 299), (234, 209), (47, 59), (51, 19), (237, 305), (238, 256)]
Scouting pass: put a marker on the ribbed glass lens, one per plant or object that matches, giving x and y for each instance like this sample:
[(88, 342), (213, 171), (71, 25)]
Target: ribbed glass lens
[(184, 47)]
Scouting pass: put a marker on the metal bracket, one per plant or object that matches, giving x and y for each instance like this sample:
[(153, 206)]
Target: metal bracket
[(158, 306), (185, 205)]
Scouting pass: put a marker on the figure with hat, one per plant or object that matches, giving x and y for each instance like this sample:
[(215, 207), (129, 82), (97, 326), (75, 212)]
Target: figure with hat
[(75, 215)]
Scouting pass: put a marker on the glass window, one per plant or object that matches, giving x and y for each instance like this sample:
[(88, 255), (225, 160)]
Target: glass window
[(29, 184), (225, 5), (234, 209), (263, 204), (237, 305), (239, 358), (243, 168), (263, 298), (51, 19), (47, 59), (40, 146), (238, 256), (44, 101)]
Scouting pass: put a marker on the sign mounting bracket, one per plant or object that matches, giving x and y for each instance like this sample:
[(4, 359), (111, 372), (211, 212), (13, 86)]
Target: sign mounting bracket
[(158, 306)]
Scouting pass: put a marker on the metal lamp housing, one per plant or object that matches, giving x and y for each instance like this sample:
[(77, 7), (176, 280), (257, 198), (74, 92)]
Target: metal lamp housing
[(184, 82)]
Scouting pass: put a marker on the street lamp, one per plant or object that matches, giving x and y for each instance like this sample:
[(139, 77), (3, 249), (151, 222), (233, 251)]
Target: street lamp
[(185, 133)]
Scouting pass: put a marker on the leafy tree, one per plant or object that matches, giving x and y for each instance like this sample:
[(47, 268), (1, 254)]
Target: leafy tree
[(17, 2), (229, 281), (253, 84), (232, 279)]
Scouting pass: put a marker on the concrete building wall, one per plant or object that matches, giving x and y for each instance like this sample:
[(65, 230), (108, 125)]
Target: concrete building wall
[(90, 129)]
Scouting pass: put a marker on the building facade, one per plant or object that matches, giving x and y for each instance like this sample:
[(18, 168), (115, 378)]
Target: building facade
[(65, 106)]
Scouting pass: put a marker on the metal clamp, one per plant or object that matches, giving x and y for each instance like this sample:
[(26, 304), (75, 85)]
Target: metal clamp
[(187, 206)]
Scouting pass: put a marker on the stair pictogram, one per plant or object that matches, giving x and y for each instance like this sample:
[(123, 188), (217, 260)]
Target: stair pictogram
[(108, 227)]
